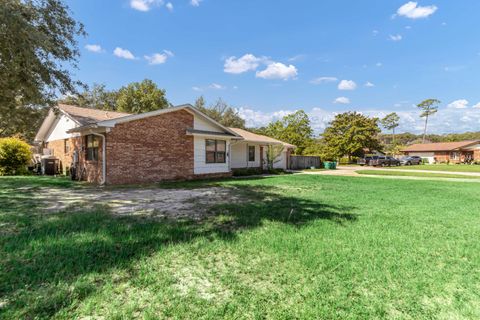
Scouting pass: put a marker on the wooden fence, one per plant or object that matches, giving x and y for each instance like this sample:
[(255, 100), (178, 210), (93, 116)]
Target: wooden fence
[(304, 162)]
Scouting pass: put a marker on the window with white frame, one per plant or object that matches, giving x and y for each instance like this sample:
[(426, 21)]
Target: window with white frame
[(215, 151)]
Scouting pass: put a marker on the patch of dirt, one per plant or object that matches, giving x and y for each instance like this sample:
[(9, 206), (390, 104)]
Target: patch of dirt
[(151, 202)]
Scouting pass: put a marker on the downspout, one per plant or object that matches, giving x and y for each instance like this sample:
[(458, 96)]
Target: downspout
[(104, 157)]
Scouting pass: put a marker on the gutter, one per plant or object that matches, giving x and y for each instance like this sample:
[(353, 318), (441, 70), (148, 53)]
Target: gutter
[(104, 157)]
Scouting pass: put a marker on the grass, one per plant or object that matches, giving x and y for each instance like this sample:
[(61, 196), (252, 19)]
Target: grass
[(415, 174), (302, 246), (443, 167)]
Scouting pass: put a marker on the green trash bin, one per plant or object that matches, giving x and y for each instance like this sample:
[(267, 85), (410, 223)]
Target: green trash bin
[(330, 165)]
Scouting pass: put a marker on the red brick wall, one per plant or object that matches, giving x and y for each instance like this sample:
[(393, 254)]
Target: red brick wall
[(476, 155), (151, 149), (58, 148), (90, 171)]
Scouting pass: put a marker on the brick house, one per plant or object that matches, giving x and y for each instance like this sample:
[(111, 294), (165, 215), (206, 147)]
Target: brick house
[(177, 143), (454, 152)]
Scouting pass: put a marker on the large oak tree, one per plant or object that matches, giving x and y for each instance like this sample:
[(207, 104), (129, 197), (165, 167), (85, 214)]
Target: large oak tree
[(37, 43)]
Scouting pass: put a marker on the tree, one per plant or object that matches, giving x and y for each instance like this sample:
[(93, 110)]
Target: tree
[(37, 43), (350, 133), (390, 122), (272, 155), (139, 97), (98, 97), (221, 112), (294, 129), (428, 108), (15, 154)]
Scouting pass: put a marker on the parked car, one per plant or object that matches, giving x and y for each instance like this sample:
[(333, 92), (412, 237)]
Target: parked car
[(410, 160), (365, 161), (383, 161)]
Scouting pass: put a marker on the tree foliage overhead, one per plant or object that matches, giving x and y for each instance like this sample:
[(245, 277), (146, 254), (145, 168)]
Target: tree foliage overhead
[(221, 112), (349, 134), (37, 42), (293, 128), (139, 97)]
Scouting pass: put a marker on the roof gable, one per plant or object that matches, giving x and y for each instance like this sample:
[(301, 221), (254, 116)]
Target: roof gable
[(86, 116)]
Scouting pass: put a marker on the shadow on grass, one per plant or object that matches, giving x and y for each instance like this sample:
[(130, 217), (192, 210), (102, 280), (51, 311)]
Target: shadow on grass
[(45, 259)]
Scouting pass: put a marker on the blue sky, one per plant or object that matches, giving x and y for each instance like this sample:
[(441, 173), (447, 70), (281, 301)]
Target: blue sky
[(269, 58)]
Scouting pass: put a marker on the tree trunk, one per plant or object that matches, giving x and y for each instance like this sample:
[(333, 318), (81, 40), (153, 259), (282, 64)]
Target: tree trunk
[(425, 130), (393, 136)]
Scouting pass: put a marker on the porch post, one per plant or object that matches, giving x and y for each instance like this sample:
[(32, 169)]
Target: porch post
[(261, 159)]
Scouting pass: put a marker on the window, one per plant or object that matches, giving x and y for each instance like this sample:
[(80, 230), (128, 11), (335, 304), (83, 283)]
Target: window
[(66, 146), (215, 151), (92, 147), (251, 153), (454, 155)]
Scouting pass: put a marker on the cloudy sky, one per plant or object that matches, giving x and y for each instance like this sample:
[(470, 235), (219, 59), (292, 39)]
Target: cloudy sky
[(268, 58)]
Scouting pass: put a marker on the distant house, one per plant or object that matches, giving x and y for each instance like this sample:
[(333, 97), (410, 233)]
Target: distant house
[(177, 143), (455, 152)]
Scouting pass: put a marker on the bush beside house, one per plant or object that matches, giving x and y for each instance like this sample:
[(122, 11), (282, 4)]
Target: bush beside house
[(15, 154)]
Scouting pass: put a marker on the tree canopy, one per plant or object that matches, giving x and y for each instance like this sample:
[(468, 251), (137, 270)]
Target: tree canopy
[(96, 97), (37, 43), (139, 97), (390, 122), (428, 108), (293, 128), (349, 134), (221, 112)]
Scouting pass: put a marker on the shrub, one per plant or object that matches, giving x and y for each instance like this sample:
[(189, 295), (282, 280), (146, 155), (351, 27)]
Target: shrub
[(246, 172), (425, 161), (15, 154)]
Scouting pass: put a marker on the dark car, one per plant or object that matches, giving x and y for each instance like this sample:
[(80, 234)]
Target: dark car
[(383, 161), (411, 160)]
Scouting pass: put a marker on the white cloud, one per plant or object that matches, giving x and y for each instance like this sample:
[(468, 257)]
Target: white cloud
[(94, 48), (396, 37), (197, 89), (217, 86), (379, 64), (375, 32), (368, 84), (408, 27), (342, 100), (144, 5), (412, 10), (347, 85), (321, 80), (195, 3), (169, 6), (477, 106), (123, 53), (243, 64), (159, 58), (255, 118), (458, 104), (277, 70), (298, 57)]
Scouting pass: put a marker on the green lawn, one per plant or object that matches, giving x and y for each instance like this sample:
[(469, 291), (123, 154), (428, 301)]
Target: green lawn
[(443, 167), (415, 174), (302, 246)]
